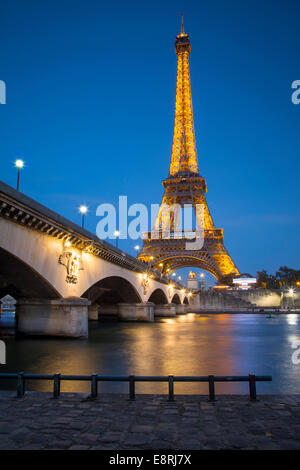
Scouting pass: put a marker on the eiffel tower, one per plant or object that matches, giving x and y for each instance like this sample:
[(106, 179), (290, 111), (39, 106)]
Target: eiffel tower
[(183, 187)]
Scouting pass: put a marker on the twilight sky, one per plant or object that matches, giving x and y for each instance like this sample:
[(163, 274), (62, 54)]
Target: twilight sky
[(90, 108)]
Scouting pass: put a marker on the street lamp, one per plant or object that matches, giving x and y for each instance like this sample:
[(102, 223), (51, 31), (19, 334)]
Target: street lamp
[(83, 210), (137, 247), (292, 292), (19, 164), (116, 234)]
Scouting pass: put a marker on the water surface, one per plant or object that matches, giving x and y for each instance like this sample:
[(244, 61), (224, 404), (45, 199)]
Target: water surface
[(192, 344)]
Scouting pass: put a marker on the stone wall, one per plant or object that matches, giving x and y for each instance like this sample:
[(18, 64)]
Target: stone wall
[(259, 297)]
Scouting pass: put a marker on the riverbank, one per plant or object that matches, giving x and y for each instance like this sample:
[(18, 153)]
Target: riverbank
[(111, 421)]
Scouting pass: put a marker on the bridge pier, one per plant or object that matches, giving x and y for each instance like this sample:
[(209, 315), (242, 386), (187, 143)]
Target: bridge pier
[(165, 310), (181, 309), (93, 312), (108, 312), (47, 317), (136, 311)]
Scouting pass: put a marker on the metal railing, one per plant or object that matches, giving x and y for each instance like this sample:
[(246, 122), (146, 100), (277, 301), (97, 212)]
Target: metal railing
[(21, 377)]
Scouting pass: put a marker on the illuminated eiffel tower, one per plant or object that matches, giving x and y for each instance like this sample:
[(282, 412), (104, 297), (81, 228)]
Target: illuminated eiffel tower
[(167, 247)]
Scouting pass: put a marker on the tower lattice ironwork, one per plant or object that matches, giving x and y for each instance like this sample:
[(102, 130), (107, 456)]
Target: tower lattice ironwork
[(166, 247)]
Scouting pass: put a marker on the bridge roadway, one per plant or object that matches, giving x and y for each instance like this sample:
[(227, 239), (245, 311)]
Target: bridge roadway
[(62, 275)]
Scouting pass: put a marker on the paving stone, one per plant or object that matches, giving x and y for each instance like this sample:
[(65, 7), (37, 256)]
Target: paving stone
[(150, 422), (136, 439), (78, 447)]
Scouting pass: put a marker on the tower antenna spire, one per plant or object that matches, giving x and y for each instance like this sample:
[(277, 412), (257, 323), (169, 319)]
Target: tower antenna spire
[(182, 28)]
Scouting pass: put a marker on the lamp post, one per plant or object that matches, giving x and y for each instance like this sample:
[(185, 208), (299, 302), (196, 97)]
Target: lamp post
[(83, 210), (117, 234), (137, 247), (19, 164), (292, 292)]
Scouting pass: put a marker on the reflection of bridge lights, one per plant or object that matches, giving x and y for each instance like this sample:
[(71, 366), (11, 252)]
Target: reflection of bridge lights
[(292, 318)]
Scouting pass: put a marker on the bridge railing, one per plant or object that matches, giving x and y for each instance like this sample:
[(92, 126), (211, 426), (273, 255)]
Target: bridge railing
[(57, 378)]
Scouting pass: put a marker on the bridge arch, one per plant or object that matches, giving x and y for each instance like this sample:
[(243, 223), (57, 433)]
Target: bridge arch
[(175, 299), (158, 297), (112, 290), (206, 263), (186, 301), (20, 280)]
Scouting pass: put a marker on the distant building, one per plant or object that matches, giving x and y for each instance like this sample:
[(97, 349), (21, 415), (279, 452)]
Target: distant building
[(192, 281), (201, 283), (7, 303), (244, 282)]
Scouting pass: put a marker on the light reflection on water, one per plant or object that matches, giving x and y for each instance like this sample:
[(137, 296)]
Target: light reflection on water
[(192, 344)]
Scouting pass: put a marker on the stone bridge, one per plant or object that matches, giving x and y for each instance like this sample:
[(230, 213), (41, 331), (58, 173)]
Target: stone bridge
[(62, 275)]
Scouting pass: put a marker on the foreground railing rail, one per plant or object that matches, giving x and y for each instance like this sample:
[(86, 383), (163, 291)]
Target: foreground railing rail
[(21, 377)]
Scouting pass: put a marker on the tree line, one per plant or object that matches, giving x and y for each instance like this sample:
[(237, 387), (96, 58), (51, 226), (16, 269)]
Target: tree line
[(284, 277)]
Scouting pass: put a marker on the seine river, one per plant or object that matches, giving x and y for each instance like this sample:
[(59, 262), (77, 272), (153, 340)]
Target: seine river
[(192, 344)]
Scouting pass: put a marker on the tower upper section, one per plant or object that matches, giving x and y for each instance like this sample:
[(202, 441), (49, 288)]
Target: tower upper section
[(184, 154)]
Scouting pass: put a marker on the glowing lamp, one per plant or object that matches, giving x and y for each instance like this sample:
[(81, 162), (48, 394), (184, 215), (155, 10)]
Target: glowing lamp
[(83, 209), (19, 163)]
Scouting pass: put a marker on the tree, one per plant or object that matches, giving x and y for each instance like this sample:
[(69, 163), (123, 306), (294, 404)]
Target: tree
[(268, 281), (226, 280), (288, 276)]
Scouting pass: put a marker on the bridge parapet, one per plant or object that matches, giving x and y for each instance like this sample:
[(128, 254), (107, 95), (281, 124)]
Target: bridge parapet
[(24, 211)]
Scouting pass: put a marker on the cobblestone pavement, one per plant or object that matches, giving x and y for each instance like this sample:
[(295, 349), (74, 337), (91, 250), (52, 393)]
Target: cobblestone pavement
[(75, 421)]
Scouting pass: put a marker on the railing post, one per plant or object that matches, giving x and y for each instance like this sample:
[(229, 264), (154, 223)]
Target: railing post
[(211, 384), (20, 385), (131, 387), (252, 386), (56, 385), (94, 386), (171, 388)]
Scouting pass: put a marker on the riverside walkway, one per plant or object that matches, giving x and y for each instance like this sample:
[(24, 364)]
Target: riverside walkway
[(74, 421)]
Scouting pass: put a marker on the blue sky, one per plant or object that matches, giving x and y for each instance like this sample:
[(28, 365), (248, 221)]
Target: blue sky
[(90, 108)]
